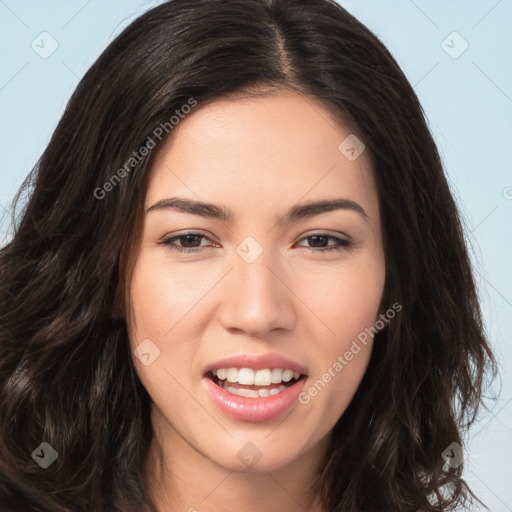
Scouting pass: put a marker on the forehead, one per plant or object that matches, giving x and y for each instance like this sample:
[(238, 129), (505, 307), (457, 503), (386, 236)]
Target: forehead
[(272, 149)]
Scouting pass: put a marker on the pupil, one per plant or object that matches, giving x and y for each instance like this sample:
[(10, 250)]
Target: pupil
[(316, 237), (188, 239)]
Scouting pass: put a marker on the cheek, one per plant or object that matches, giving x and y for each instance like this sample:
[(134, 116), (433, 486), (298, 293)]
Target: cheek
[(159, 301), (162, 295), (345, 299)]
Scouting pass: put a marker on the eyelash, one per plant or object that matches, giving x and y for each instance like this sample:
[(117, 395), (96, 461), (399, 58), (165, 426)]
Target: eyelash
[(341, 244)]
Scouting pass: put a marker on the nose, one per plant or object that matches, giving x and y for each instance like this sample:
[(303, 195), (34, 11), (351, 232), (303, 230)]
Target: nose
[(256, 297)]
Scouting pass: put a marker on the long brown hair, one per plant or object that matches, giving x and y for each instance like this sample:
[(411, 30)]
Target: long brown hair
[(66, 374)]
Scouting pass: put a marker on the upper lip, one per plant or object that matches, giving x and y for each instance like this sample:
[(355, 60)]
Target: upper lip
[(256, 363)]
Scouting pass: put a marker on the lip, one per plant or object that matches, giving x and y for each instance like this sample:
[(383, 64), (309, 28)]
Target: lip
[(253, 409), (256, 363)]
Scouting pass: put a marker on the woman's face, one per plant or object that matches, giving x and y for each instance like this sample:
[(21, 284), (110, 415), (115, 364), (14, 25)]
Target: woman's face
[(254, 291)]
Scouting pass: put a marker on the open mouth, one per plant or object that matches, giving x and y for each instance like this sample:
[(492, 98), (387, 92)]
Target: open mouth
[(255, 393), (250, 384)]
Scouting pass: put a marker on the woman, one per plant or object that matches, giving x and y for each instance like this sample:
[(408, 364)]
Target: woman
[(240, 281)]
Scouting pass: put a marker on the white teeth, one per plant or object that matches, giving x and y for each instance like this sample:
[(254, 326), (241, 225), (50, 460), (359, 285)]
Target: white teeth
[(277, 375), (252, 393), (232, 375), (249, 393), (263, 377), (246, 376), (287, 375)]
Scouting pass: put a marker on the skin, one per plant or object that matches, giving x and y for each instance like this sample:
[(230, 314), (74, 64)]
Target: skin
[(257, 157)]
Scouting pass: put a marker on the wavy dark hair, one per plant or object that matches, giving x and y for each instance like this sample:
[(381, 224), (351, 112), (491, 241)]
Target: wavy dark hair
[(66, 373)]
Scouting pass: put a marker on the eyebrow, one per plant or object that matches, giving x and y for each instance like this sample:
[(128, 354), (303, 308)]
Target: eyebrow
[(295, 213)]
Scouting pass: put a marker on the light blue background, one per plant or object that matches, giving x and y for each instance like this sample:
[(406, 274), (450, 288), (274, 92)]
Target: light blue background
[(467, 100)]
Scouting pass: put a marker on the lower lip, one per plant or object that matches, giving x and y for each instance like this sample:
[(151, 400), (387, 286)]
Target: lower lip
[(254, 409)]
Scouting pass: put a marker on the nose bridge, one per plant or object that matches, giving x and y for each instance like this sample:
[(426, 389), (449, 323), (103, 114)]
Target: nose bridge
[(256, 299)]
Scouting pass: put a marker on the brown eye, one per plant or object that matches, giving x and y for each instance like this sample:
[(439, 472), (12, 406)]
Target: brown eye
[(318, 242), (188, 242)]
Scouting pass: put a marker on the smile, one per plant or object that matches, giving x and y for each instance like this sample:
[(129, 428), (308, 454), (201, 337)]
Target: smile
[(254, 395), (254, 383)]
